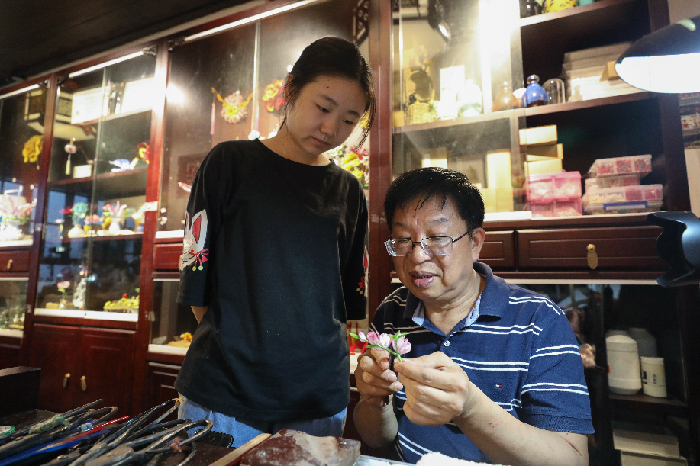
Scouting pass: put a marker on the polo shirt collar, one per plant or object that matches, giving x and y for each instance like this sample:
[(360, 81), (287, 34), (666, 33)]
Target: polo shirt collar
[(492, 301)]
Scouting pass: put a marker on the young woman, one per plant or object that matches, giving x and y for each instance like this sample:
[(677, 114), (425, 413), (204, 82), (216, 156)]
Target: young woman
[(273, 260)]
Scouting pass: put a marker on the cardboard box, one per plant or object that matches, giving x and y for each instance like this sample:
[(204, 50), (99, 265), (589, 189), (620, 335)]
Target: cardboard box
[(628, 458), (646, 443), (544, 152), (543, 167), (538, 135)]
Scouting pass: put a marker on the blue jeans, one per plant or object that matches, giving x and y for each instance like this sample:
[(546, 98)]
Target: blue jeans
[(244, 430)]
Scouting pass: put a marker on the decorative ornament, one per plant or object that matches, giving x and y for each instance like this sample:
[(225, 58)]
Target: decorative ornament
[(32, 149), (274, 95), (357, 163), (144, 150), (233, 107)]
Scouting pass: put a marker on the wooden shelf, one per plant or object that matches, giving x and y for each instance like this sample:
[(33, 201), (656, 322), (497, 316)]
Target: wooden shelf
[(98, 238), (643, 402), (112, 184)]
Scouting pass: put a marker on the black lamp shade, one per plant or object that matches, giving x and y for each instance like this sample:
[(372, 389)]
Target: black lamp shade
[(667, 60)]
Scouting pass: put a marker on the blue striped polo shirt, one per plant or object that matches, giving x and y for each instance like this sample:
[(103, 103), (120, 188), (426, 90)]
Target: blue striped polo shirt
[(516, 346)]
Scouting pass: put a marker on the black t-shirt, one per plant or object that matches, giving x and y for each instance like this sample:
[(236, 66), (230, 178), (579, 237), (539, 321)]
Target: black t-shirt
[(275, 249)]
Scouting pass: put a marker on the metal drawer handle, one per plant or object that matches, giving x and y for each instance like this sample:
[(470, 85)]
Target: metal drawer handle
[(9, 264), (592, 256), (83, 383), (65, 380)]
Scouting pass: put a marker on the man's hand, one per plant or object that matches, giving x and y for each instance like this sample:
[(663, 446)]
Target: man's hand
[(437, 389), (373, 378)]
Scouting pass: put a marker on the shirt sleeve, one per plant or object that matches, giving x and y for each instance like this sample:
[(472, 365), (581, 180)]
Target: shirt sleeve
[(554, 395), (201, 223), (354, 286)]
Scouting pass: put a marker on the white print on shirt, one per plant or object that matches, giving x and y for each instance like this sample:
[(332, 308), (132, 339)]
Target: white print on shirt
[(193, 252)]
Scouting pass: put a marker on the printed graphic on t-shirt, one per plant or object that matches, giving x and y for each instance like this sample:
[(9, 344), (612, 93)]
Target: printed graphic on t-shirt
[(193, 252)]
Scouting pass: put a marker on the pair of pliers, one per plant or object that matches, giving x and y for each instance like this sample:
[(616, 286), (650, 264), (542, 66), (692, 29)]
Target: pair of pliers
[(61, 444), (126, 433), (37, 436), (141, 450)]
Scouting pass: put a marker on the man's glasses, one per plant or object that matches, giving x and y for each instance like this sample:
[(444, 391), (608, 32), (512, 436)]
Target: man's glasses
[(433, 245)]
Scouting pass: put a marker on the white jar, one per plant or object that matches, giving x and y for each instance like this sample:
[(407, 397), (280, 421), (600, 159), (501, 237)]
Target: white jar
[(623, 365), (646, 343), (653, 376)]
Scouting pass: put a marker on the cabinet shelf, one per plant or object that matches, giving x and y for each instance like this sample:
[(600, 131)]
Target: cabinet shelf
[(112, 184), (547, 37), (113, 117), (643, 402), (528, 112), (98, 238), (604, 10)]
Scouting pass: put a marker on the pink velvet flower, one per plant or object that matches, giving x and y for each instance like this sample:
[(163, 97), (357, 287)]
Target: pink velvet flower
[(396, 344)]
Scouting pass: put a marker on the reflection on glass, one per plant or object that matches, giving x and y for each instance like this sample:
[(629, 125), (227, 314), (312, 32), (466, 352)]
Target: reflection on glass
[(90, 258), (228, 86), (13, 303), (596, 311), (21, 142), (172, 324), (450, 63)]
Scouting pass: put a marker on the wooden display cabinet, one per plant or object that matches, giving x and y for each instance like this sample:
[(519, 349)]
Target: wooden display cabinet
[(88, 271), (489, 48), (81, 364), (21, 140)]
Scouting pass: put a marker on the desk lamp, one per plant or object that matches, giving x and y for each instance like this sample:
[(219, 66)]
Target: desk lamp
[(668, 60)]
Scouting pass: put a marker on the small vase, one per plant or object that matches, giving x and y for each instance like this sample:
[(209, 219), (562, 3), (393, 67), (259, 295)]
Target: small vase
[(534, 93), (62, 303), (115, 226)]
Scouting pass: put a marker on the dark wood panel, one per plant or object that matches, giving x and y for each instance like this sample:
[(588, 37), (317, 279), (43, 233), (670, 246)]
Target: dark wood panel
[(9, 352), (16, 260), (168, 256), (108, 367), (56, 350), (498, 251), (160, 383), (617, 248)]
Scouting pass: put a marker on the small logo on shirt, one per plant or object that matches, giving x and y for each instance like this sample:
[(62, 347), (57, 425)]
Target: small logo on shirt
[(193, 252)]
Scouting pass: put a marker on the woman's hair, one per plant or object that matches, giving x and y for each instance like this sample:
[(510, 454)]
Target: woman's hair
[(423, 184), (332, 56)]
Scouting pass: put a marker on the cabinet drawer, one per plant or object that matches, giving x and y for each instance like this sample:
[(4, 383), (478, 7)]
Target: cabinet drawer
[(168, 256), (616, 248), (14, 261), (498, 251)]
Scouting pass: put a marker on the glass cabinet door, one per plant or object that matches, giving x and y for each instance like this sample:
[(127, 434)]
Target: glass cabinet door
[(90, 258), (172, 324), (13, 305), (455, 67), (236, 92), (21, 142)]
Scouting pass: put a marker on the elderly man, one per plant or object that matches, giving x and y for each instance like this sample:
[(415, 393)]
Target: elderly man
[(494, 373)]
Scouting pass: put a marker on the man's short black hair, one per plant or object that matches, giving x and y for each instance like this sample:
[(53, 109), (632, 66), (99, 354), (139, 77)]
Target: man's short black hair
[(424, 184)]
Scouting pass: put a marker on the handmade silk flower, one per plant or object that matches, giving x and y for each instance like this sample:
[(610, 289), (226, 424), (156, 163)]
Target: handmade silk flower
[(233, 108), (274, 95), (395, 345)]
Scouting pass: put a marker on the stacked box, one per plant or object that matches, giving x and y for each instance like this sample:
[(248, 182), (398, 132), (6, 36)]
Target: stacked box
[(635, 164), (614, 187), (626, 199), (555, 194)]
